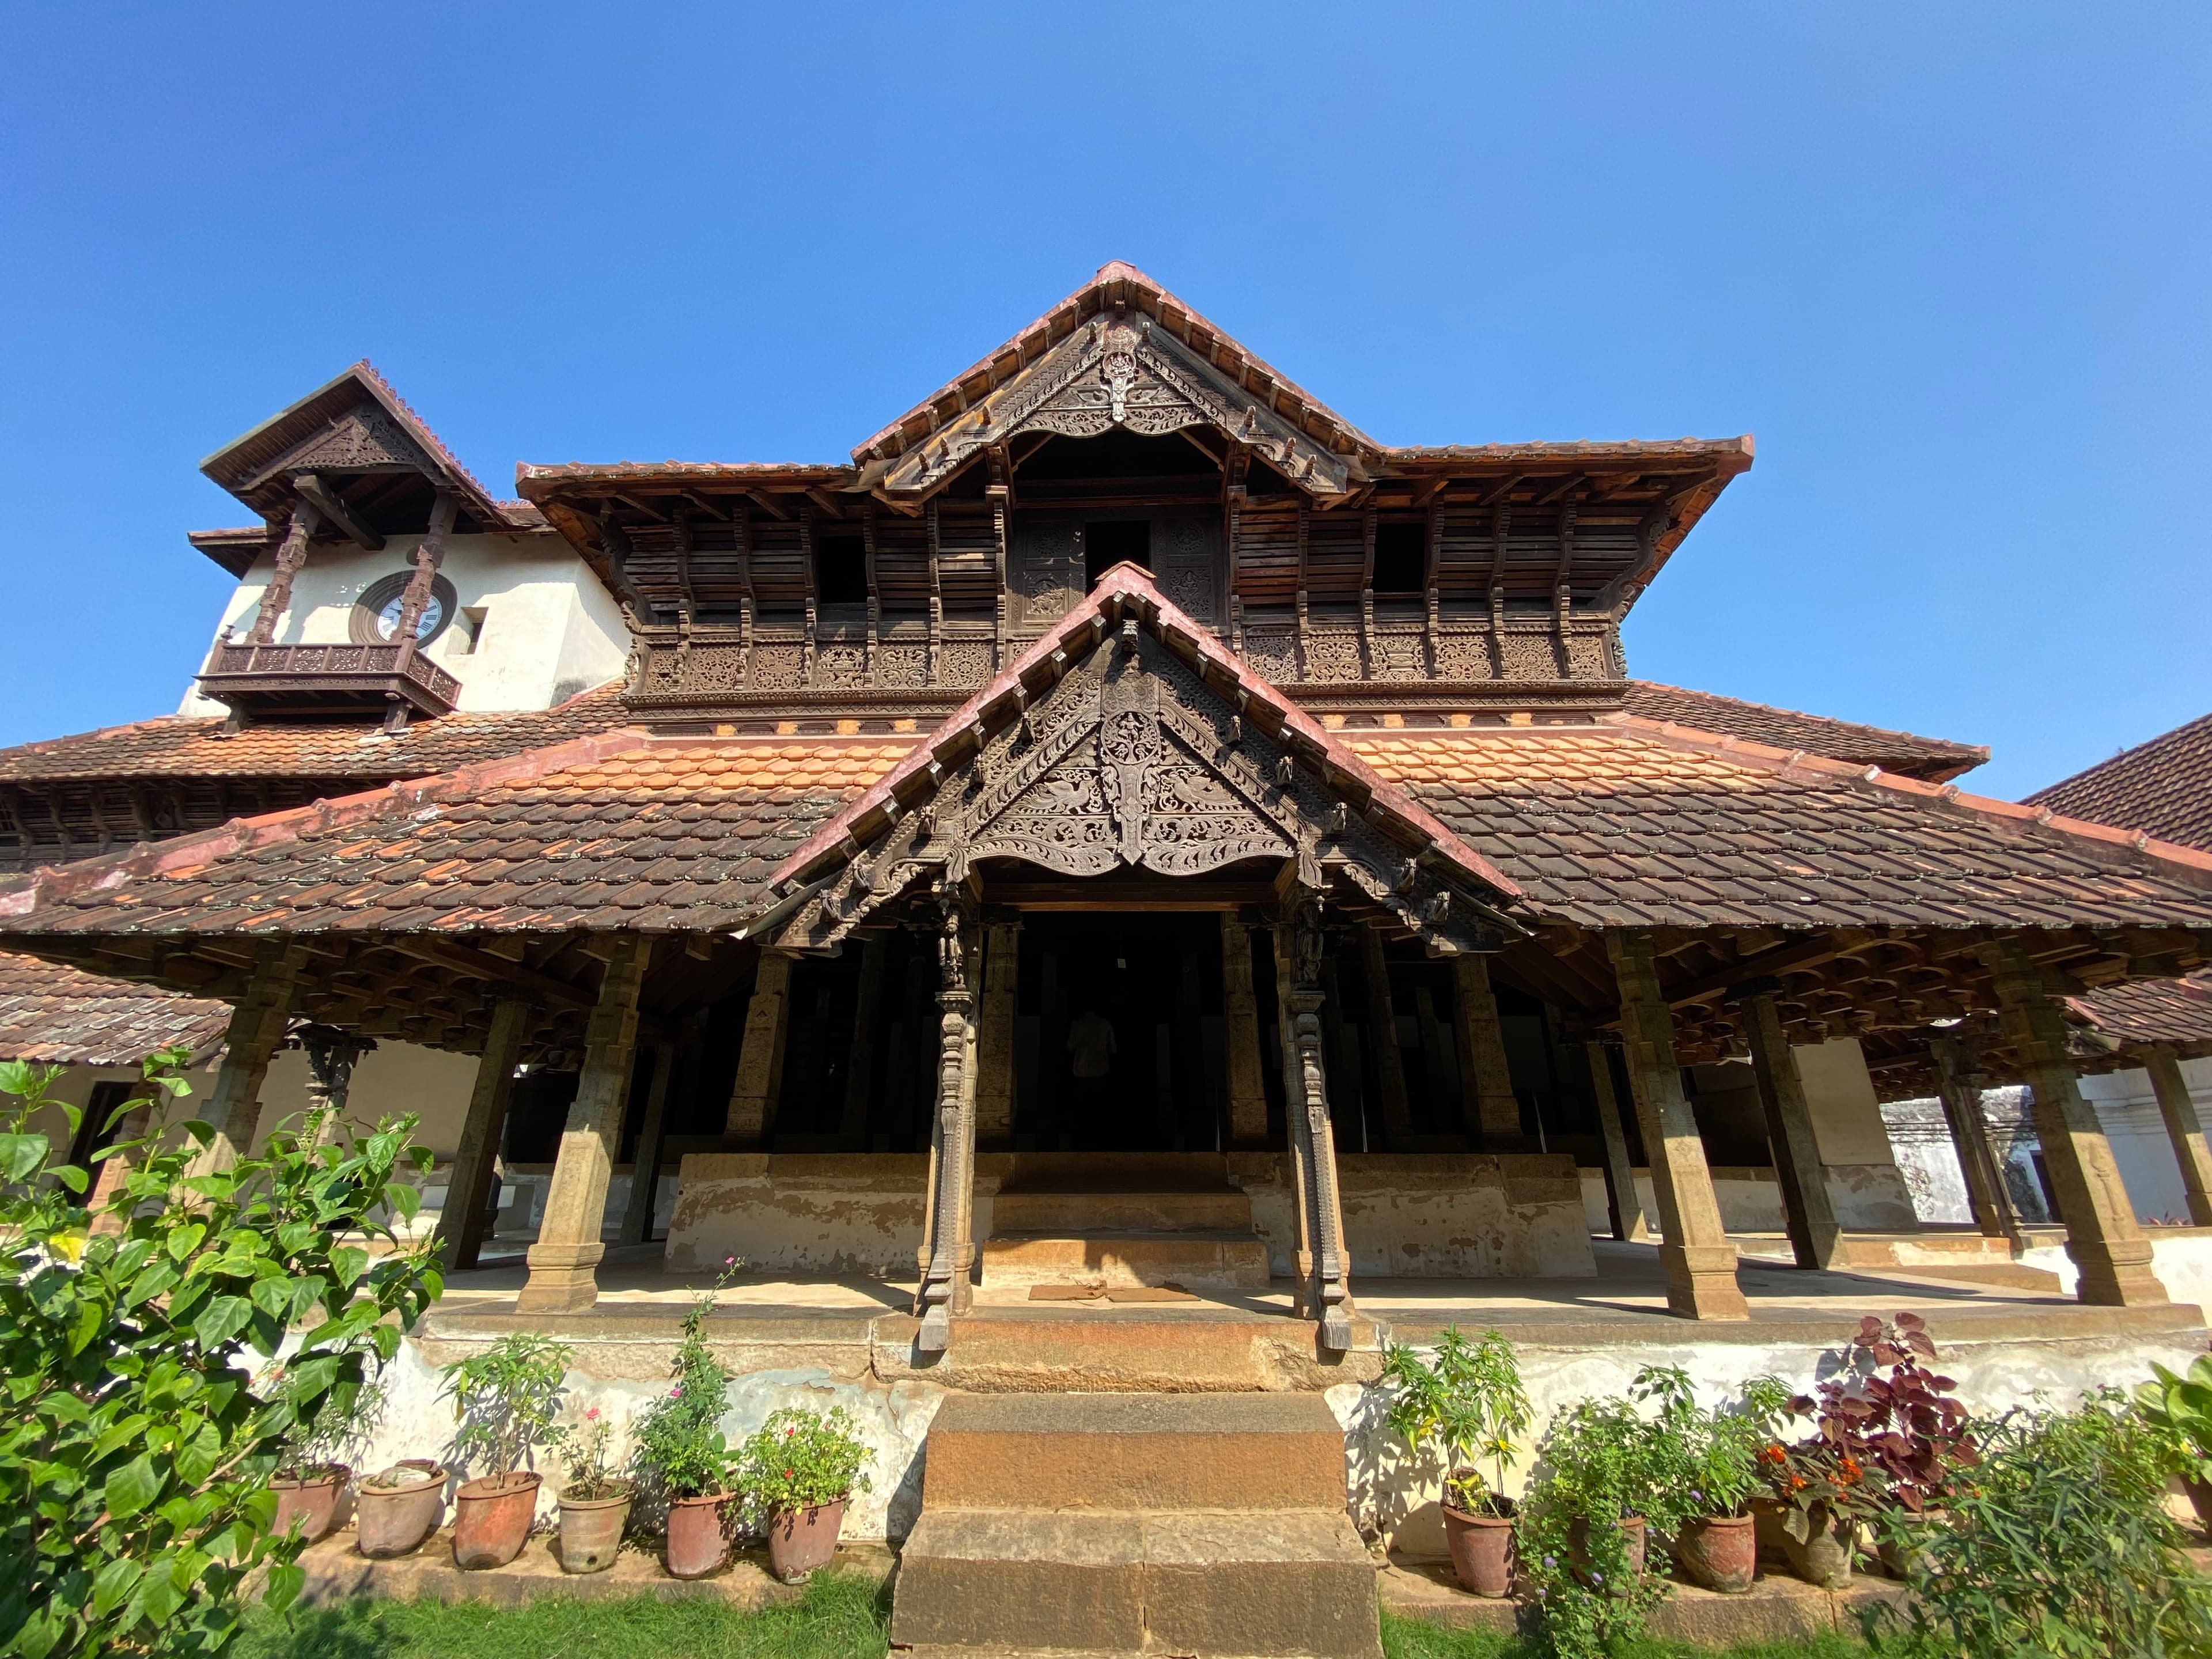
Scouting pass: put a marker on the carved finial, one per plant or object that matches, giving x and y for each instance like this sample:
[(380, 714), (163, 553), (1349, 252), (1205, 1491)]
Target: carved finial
[(927, 826), (1339, 818), (1439, 907), (1407, 872), (1236, 730), (1287, 769), (1029, 731), (1129, 635)]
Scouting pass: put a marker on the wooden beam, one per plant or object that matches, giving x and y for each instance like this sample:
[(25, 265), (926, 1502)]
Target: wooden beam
[(327, 503), (482, 964)]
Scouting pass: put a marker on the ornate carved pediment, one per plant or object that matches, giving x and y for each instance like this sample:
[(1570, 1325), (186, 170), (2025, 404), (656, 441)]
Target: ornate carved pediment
[(365, 438), (1132, 760), (1126, 371)]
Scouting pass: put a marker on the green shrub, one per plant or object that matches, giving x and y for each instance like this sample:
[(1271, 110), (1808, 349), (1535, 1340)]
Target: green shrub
[(1466, 1404), (136, 1448), (800, 1459), (2058, 1548), (505, 1400), (680, 1451)]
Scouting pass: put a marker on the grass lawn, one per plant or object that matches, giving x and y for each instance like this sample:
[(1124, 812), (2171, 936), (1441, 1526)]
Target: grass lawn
[(842, 1617), (1410, 1639)]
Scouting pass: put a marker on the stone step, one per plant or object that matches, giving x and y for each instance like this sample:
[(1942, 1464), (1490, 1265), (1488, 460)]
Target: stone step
[(1211, 1259), (1029, 1211), (975, 1583), (1157, 1452)]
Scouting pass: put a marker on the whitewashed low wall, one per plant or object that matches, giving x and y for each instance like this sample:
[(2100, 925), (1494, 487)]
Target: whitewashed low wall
[(1866, 1197), (2180, 1256)]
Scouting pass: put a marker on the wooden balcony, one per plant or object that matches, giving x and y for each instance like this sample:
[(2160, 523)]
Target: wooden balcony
[(393, 680)]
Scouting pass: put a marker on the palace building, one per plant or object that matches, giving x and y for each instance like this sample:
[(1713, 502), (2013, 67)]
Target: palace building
[(1123, 835)]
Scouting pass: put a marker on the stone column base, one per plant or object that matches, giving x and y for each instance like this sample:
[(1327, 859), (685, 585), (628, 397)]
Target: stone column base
[(1701, 1282), (563, 1278), (2117, 1275)]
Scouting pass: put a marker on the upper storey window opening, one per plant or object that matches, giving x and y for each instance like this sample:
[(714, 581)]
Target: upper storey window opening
[(1109, 542), (1401, 558), (841, 570)]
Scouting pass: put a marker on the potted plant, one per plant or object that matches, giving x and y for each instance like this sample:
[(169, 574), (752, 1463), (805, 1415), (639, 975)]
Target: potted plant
[(796, 1471), (2177, 1410), (595, 1503), (505, 1400), (397, 1508), (1823, 1497), (311, 1475), (1467, 1403), (1606, 1473), (1717, 1540), (680, 1454), (1909, 1427)]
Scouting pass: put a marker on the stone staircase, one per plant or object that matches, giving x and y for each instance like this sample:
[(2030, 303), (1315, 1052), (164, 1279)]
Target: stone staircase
[(1126, 1220), (1191, 1525)]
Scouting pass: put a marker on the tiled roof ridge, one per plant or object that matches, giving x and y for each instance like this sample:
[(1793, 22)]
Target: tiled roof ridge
[(386, 390), (2185, 732), (25, 894), (1320, 748), (1951, 744), (1799, 760)]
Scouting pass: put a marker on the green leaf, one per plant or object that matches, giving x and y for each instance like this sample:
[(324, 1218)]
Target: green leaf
[(272, 1296), (17, 1077), (223, 1317), (183, 1240), (90, 1316), (131, 1487), (347, 1265), (286, 1580), (19, 1154), (112, 1583)]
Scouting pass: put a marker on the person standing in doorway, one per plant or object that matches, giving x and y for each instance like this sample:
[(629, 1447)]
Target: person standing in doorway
[(1091, 1053)]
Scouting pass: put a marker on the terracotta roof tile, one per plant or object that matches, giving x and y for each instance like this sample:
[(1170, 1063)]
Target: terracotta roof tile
[(56, 1014), (2178, 1011), (1934, 759), (2163, 786)]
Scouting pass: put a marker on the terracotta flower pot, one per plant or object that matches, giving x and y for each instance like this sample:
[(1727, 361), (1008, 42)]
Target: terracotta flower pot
[(695, 1544), (592, 1531), (1720, 1551), (799, 1540), (2200, 1494), (1825, 1557), (314, 1505), (1481, 1549), (394, 1520), (492, 1517), (1632, 1529)]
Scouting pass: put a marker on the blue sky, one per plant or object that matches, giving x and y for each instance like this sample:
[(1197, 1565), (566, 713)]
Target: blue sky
[(1949, 264)]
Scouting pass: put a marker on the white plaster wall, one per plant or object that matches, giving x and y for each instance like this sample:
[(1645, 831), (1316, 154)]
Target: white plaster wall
[(2180, 1256), (391, 1079), (550, 628), (2128, 1108), (1866, 1199)]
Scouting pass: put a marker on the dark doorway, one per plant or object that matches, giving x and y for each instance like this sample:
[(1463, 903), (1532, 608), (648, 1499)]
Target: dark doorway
[(96, 1129), (1118, 1039), (1109, 542)]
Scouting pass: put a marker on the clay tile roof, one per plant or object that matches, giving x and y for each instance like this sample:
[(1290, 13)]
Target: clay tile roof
[(2168, 1012), (1634, 823), (56, 1014), (2163, 786), (614, 832), (1934, 759), (173, 745)]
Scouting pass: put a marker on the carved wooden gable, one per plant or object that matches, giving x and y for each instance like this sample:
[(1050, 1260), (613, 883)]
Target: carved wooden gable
[(1133, 760), (365, 438), (1127, 371)]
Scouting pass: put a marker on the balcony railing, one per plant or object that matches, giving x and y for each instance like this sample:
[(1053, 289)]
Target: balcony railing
[(329, 679)]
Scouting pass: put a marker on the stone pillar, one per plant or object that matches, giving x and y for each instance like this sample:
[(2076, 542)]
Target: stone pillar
[(2102, 1235), (994, 1034), (1491, 1109), (291, 554), (645, 1162), (1695, 1248), (257, 1029), (948, 1251), (332, 1055), (1814, 1238), (760, 1060), (1628, 1223), (860, 1076), (1958, 1086), (563, 1262), (1240, 1006), (1382, 1026), (2184, 1128), (1313, 1137), (468, 1183)]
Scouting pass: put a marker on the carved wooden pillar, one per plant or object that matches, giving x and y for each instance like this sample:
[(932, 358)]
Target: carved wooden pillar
[(1626, 1203), (290, 555), (760, 1056), (1240, 1007), (468, 1184), (564, 1261), (1695, 1248), (1323, 1268), (1382, 1024), (1814, 1238), (947, 1250), (429, 554), (256, 1031), (995, 1034), (332, 1055), (2184, 1130), (645, 1162), (1487, 1102), (1958, 1085), (2102, 1235)]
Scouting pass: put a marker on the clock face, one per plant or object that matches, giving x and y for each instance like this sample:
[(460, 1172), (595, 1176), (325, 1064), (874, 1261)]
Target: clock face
[(387, 620)]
